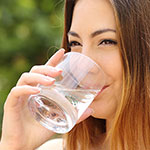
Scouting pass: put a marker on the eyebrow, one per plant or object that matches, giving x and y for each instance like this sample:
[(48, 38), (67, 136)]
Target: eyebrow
[(73, 34), (102, 31), (94, 33)]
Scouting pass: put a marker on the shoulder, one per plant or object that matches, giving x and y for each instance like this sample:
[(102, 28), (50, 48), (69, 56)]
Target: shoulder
[(55, 144)]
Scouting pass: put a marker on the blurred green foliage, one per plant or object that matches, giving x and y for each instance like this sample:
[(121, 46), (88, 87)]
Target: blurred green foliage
[(30, 32)]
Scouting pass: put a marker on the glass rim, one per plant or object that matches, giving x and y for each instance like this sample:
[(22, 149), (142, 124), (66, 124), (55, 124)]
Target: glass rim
[(87, 57)]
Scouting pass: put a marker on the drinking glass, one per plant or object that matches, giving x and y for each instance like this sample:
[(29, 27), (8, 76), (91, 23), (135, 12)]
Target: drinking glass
[(59, 106)]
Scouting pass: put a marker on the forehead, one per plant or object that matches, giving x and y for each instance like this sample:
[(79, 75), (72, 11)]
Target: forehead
[(94, 14)]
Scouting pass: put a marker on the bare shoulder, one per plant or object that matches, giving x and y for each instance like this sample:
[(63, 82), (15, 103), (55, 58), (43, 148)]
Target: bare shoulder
[(54, 144)]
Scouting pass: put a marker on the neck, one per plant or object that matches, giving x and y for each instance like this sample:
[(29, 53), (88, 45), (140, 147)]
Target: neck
[(106, 142), (104, 139)]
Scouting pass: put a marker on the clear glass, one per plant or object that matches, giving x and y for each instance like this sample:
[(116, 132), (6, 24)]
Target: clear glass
[(58, 107)]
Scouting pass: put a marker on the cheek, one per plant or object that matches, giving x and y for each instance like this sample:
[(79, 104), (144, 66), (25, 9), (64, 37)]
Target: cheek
[(112, 66), (104, 109), (106, 104)]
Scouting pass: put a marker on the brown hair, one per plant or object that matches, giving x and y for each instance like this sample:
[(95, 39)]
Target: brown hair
[(131, 129)]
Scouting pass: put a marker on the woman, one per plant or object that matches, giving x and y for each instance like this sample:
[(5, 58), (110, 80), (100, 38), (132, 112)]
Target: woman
[(115, 34)]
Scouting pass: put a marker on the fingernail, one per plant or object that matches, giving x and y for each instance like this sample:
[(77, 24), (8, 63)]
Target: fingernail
[(90, 111), (58, 69), (36, 89), (62, 49), (48, 79)]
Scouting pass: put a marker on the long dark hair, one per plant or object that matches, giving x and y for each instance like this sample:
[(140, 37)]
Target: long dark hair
[(131, 128)]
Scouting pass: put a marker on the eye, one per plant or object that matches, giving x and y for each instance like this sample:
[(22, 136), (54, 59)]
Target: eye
[(108, 42), (74, 43)]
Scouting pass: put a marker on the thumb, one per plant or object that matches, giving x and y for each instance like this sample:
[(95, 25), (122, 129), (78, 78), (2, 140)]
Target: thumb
[(56, 58), (88, 112)]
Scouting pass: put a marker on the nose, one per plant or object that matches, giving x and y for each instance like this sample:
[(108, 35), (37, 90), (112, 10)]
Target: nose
[(90, 52), (84, 63), (87, 51), (86, 71)]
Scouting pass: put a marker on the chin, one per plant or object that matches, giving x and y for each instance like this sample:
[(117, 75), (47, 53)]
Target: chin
[(104, 108)]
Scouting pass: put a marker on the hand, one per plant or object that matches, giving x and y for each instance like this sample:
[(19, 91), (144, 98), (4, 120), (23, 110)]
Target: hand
[(20, 131), (88, 112)]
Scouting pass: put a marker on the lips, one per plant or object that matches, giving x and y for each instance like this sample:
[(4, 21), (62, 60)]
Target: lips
[(106, 86)]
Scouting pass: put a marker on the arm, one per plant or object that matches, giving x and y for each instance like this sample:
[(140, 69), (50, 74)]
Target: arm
[(19, 130)]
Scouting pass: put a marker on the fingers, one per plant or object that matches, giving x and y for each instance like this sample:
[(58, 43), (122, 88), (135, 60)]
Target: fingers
[(38, 75), (88, 112), (56, 58), (34, 79), (43, 74), (18, 91), (46, 70)]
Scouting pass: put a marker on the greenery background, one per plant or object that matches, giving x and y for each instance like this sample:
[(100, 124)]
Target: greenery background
[(30, 32)]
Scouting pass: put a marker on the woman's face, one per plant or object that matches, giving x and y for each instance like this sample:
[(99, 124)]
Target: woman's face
[(93, 33)]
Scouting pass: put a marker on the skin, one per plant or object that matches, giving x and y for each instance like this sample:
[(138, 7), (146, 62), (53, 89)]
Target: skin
[(93, 33), (19, 128)]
